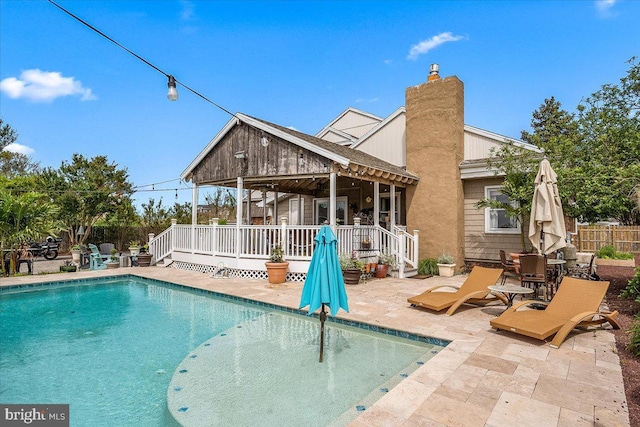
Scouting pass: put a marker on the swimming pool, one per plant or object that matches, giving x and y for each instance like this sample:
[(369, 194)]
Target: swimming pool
[(124, 351)]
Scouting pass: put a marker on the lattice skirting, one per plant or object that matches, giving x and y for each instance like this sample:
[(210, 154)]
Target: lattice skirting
[(234, 272)]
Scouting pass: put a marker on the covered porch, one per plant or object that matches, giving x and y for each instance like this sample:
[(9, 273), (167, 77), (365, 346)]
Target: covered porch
[(311, 182)]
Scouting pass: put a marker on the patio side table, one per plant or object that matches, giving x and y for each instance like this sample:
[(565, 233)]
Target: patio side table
[(510, 291)]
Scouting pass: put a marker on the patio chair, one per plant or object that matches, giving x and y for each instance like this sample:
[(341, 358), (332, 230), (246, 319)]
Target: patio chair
[(509, 269), (533, 272), (105, 248), (474, 291), (584, 271), (96, 259), (576, 304)]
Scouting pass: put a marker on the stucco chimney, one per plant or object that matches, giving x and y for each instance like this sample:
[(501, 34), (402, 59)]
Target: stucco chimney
[(434, 149)]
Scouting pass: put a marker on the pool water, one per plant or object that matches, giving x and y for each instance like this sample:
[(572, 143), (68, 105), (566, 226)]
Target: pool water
[(119, 350)]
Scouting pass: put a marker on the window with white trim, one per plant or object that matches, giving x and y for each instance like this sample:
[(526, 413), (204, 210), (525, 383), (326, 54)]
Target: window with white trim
[(497, 220)]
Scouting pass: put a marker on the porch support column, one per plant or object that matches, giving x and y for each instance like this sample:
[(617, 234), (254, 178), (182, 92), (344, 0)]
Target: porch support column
[(392, 206), (249, 207), (194, 216), (264, 207), (299, 209), (332, 200), (275, 206), (376, 203), (238, 218)]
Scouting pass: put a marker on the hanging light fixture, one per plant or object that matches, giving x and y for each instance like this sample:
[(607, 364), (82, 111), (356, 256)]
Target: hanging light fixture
[(173, 92)]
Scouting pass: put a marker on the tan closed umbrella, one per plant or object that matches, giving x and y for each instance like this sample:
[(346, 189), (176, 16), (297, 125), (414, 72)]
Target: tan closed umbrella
[(546, 226)]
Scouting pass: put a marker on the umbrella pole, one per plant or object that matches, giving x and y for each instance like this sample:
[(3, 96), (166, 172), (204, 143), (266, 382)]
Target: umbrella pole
[(323, 317)]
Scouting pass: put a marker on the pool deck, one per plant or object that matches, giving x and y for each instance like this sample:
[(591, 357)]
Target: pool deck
[(483, 378)]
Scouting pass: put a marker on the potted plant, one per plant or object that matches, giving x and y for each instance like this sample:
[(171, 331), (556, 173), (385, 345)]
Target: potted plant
[(351, 268), (384, 262), (134, 247), (365, 243), (446, 266), (113, 261), (144, 257), (75, 253), (277, 266), (68, 267)]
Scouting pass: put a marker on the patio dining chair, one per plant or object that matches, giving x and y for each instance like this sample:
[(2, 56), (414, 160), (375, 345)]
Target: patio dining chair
[(509, 269), (533, 272), (576, 304), (584, 271)]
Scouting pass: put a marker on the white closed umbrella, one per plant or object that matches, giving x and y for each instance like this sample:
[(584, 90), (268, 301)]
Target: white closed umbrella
[(546, 227)]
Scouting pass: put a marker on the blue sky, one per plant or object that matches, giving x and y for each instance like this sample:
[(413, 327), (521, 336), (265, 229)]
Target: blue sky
[(65, 89)]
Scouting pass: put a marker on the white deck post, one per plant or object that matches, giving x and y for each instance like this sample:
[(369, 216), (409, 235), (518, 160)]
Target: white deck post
[(376, 203), (416, 246), (194, 216), (239, 219), (214, 235), (275, 206), (332, 200), (401, 249), (392, 207), (284, 237), (249, 193), (173, 234)]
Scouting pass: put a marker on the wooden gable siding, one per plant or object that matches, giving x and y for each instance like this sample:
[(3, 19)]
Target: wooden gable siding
[(355, 123), (388, 143), (478, 146), (279, 158)]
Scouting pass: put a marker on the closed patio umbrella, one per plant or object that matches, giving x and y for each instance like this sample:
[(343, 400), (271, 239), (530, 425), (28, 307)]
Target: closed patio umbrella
[(324, 284), (546, 227)]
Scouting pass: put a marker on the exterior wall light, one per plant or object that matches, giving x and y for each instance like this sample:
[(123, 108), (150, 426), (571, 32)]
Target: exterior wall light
[(240, 155), (173, 92)]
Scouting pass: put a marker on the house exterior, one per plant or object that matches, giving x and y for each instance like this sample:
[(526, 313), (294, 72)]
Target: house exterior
[(409, 181)]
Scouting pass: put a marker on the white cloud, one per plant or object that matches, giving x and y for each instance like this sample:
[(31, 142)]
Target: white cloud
[(388, 61), (19, 148), (44, 86), (426, 45), (604, 7)]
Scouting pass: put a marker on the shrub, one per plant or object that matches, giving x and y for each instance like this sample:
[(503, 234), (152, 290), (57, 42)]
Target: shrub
[(609, 252), (634, 332), (632, 291), (387, 259), (428, 266)]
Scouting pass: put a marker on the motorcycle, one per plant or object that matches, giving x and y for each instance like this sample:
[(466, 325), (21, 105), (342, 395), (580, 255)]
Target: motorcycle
[(48, 249)]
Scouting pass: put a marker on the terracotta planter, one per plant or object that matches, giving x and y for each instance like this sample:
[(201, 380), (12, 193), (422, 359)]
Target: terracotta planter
[(382, 270), (446, 270), (277, 272), (351, 276), (144, 259)]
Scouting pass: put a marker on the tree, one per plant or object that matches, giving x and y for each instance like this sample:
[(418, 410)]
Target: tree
[(13, 164), (86, 190), (25, 217), (595, 153), (518, 165)]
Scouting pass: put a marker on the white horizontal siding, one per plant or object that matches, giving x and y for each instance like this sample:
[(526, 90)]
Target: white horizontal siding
[(478, 146)]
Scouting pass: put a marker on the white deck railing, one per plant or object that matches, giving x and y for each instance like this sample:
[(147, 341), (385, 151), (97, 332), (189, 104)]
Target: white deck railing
[(256, 241)]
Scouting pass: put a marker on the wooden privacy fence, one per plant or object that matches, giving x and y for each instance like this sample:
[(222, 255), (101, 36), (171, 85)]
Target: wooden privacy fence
[(623, 238)]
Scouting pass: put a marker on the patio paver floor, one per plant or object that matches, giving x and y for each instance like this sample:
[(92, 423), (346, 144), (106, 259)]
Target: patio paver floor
[(483, 378)]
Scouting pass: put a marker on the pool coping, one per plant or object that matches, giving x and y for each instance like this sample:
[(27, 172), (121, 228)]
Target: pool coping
[(482, 377)]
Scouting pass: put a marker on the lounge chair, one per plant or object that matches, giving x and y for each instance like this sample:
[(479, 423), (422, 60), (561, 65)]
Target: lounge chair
[(96, 259), (474, 291), (576, 304)]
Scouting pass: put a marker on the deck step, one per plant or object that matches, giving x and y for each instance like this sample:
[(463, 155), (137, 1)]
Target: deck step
[(164, 262)]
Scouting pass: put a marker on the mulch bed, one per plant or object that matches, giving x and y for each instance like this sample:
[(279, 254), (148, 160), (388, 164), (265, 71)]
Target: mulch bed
[(619, 278)]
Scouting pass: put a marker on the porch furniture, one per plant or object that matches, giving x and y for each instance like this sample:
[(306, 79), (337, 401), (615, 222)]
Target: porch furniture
[(583, 270), (576, 304), (533, 271), (105, 248), (85, 255), (510, 291), (474, 290), (96, 259), (509, 268)]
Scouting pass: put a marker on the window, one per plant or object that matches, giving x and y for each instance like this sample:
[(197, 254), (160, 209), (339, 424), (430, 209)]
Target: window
[(497, 220), (321, 210)]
